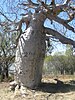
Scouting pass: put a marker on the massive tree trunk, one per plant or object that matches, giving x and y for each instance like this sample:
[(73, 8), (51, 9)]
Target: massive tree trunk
[(30, 51), (30, 54), (31, 47)]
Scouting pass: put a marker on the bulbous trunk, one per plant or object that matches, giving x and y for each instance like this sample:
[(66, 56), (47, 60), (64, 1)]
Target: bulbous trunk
[(30, 55)]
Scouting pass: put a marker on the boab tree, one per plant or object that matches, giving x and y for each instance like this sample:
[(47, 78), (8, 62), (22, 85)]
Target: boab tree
[(31, 46)]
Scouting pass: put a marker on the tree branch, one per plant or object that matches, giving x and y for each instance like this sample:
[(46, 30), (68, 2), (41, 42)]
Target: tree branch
[(29, 4), (61, 38), (67, 1), (26, 20), (61, 21), (52, 14), (6, 17), (34, 4)]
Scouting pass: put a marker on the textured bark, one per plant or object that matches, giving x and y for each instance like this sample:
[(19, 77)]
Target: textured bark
[(30, 51), (30, 54)]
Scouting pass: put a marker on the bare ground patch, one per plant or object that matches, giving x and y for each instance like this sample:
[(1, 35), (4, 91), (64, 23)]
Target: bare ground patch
[(48, 90)]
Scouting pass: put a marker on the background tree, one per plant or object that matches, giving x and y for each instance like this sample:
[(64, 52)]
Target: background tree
[(30, 51), (59, 65), (70, 57), (7, 50), (69, 50), (56, 64)]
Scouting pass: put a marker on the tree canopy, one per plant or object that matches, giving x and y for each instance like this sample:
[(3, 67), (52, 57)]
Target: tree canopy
[(18, 12)]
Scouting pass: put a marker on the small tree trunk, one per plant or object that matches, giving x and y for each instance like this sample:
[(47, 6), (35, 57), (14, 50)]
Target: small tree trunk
[(6, 73), (6, 70), (72, 71), (2, 76), (30, 55), (62, 71)]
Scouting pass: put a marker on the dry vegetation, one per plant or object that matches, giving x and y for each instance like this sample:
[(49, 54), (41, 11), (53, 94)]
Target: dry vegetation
[(48, 90)]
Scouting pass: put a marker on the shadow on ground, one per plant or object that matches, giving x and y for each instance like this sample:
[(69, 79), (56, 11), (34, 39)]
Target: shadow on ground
[(58, 87)]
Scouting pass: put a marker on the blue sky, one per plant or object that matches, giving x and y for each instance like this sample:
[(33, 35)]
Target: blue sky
[(57, 46)]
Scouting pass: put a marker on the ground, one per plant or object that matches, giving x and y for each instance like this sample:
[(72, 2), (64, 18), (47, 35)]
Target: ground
[(50, 89)]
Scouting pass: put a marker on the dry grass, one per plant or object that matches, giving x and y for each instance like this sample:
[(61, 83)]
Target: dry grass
[(48, 90)]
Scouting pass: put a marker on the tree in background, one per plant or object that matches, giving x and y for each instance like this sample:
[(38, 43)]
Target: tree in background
[(70, 60), (30, 52), (59, 64), (55, 64), (7, 52), (69, 50)]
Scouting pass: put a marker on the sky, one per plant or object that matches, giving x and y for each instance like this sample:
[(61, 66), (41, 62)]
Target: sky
[(58, 47)]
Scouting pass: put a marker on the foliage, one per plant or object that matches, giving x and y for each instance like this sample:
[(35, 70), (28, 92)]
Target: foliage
[(69, 50), (61, 64)]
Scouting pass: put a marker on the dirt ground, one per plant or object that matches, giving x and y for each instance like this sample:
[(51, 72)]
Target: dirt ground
[(50, 89)]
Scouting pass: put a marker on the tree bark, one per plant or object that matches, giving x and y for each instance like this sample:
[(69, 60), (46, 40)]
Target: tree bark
[(59, 36), (30, 54), (6, 73), (30, 51)]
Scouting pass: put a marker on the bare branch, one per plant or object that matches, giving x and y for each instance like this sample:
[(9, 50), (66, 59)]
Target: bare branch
[(55, 10), (6, 17), (33, 3), (52, 15), (26, 20), (61, 21), (67, 1), (61, 38), (29, 4), (53, 2)]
